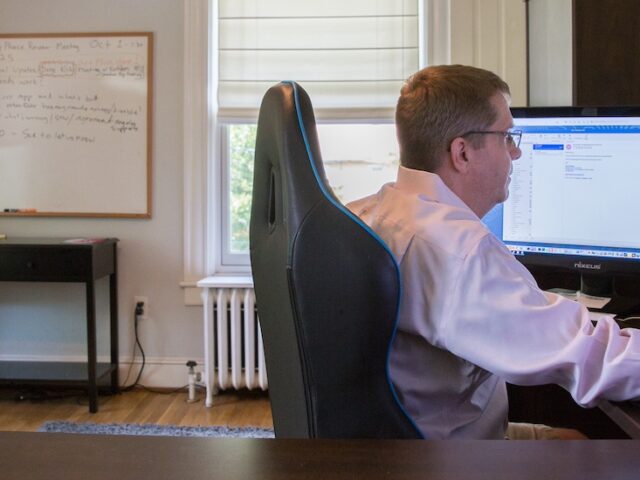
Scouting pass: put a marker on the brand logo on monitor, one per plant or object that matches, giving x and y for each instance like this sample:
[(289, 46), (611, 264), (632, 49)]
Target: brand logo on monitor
[(588, 266)]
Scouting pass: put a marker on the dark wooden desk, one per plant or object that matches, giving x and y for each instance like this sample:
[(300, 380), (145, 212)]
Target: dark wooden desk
[(52, 456), (54, 260)]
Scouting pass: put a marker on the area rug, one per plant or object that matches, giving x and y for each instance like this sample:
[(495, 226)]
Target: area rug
[(153, 429)]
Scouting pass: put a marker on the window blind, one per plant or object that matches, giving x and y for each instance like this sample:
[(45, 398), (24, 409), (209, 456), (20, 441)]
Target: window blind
[(351, 56)]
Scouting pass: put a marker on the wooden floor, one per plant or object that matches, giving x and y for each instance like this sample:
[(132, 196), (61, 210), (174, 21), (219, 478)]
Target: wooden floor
[(137, 406)]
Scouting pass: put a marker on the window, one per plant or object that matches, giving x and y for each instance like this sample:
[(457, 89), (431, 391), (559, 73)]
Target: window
[(242, 139), (485, 33), (351, 57), (366, 152)]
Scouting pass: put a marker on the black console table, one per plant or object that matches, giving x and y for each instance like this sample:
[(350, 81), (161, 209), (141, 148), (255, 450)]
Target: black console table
[(65, 260)]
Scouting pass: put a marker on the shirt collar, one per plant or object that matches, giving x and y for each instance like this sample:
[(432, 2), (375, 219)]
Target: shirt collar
[(427, 185)]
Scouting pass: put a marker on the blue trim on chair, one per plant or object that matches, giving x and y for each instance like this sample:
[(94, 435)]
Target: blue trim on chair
[(368, 229)]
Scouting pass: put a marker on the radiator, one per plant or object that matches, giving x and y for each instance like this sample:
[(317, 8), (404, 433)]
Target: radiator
[(234, 354)]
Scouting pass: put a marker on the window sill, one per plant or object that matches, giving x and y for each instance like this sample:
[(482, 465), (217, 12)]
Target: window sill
[(193, 290), (226, 281)]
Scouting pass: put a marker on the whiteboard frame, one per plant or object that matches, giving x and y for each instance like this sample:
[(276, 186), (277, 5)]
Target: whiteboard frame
[(149, 127)]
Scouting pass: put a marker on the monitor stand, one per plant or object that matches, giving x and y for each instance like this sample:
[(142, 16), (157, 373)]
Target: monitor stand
[(596, 285)]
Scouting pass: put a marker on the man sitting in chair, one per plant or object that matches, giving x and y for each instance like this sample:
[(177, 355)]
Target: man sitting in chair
[(471, 316)]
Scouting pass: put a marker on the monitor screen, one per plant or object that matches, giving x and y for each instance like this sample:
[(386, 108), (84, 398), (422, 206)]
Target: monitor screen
[(574, 196)]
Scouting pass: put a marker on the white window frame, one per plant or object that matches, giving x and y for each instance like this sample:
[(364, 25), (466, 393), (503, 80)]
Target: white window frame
[(203, 168)]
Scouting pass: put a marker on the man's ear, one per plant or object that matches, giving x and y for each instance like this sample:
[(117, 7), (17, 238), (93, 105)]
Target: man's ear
[(458, 155)]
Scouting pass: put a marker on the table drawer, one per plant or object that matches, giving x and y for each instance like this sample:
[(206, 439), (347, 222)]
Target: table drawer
[(57, 265)]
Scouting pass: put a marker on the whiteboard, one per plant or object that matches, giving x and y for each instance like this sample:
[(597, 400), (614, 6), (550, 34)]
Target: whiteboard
[(75, 124)]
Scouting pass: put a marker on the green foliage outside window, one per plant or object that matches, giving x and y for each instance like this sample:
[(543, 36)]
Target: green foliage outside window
[(242, 141), (354, 168)]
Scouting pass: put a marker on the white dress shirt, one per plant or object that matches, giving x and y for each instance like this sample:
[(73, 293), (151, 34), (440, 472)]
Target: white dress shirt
[(472, 317)]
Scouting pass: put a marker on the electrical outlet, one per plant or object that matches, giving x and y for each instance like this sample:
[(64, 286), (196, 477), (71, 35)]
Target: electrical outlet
[(145, 306)]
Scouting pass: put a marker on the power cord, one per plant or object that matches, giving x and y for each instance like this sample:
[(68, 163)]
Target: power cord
[(139, 310)]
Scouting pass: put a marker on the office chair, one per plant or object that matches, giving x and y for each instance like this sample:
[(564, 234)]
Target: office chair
[(327, 289)]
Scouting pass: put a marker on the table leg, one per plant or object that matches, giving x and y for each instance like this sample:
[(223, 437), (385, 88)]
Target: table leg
[(113, 334), (91, 346)]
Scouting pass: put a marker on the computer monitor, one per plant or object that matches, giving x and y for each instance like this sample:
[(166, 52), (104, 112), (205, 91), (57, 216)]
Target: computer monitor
[(574, 196)]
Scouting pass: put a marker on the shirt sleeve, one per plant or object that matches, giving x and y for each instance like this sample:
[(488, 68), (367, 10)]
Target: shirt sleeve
[(501, 321)]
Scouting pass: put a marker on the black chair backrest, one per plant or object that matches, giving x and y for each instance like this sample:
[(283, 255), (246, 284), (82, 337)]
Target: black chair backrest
[(327, 289)]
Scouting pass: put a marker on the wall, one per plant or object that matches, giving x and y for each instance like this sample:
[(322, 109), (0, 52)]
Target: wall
[(491, 34), (550, 52), (47, 320)]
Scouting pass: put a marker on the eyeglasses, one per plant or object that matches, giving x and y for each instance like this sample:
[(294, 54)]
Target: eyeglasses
[(511, 137)]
